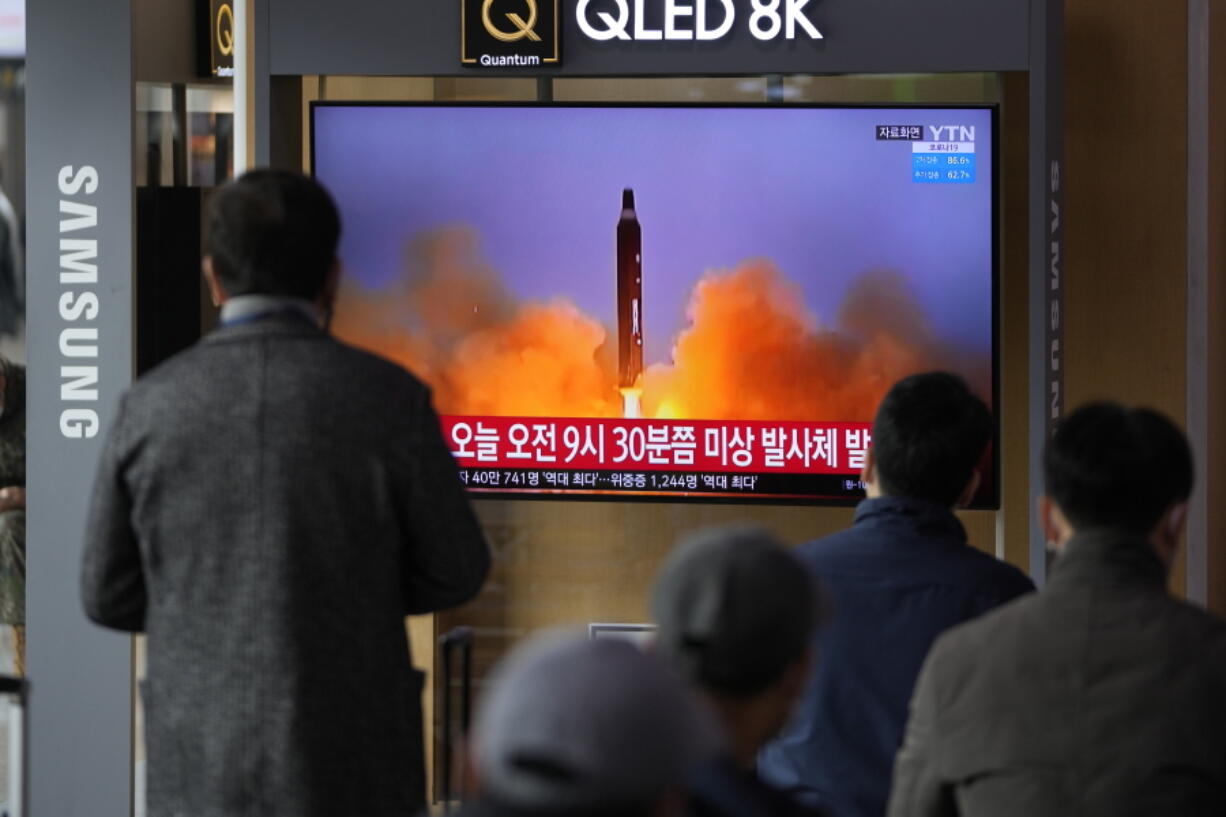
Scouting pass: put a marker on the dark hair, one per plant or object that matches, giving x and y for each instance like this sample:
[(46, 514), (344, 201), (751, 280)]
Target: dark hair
[(273, 232), (1112, 466), (929, 434)]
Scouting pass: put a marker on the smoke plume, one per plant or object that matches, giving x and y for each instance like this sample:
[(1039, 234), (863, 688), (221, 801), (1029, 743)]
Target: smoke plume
[(451, 321), (750, 350)]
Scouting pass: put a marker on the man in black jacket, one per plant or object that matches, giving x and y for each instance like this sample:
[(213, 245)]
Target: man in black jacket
[(1101, 695), (901, 575)]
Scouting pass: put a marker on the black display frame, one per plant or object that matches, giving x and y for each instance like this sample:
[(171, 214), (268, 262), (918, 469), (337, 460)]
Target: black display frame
[(988, 498)]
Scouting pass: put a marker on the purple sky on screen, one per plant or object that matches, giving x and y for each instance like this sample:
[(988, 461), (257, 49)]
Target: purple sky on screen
[(812, 189)]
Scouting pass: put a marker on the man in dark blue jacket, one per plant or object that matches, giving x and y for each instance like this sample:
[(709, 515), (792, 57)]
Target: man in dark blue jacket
[(900, 576)]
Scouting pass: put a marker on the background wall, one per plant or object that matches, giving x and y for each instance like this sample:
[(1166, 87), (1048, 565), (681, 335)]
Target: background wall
[(1216, 306), (1126, 196)]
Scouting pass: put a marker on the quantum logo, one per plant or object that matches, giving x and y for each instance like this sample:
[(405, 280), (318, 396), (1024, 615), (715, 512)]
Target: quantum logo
[(220, 28), (509, 33), (523, 28), (223, 30)]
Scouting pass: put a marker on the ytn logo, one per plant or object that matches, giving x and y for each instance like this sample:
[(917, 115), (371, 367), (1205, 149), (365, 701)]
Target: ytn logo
[(696, 20), (951, 133)]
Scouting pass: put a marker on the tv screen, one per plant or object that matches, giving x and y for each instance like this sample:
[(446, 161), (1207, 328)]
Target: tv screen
[(699, 302), (12, 29)]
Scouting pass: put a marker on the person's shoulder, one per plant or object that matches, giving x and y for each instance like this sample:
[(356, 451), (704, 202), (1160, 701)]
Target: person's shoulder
[(971, 643), (833, 553), (831, 544), (1199, 630), (331, 360), (368, 365), (1006, 578), (181, 367)]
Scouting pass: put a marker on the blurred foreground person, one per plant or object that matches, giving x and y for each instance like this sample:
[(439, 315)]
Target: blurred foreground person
[(736, 612), (12, 270), (1102, 695), (580, 728), (900, 576), (270, 505), (13, 507)]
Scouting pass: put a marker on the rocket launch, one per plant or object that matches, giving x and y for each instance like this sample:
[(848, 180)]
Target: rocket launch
[(629, 305)]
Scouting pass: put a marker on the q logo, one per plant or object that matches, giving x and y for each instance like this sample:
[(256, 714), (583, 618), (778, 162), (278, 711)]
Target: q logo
[(522, 28), (509, 33), (223, 30)]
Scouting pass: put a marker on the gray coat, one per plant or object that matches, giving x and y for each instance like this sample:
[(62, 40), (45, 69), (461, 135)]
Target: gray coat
[(1101, 696), (270, 504)]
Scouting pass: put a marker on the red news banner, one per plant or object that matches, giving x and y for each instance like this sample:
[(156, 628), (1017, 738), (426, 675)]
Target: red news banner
[(657, 445)]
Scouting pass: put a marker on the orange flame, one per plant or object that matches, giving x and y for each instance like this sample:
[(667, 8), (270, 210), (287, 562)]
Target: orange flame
[(751, 349)]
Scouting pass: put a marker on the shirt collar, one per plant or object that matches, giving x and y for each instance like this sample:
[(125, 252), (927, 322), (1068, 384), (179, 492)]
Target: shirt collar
[(247, 308), (1103, 555), (920, 514)]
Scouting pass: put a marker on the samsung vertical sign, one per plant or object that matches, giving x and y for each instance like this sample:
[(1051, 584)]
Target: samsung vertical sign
[(79, 304)]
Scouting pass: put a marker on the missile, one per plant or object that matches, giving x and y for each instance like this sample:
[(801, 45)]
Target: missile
[(629, 296)]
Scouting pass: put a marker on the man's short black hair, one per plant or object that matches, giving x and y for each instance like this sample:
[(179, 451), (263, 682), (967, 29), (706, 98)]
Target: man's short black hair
[(1111, 466), (929, 434), (273, 232)]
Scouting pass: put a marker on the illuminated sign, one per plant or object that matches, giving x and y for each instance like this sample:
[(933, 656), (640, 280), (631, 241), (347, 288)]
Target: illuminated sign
[(766, 20), (509, 33), (221, 38)]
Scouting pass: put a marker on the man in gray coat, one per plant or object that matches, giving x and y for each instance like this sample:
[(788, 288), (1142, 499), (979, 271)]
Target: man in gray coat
[(270, 505), (1102, 695)]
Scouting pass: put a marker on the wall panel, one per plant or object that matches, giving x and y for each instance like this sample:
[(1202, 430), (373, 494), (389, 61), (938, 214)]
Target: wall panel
[(1217, 310), (1126, 202)]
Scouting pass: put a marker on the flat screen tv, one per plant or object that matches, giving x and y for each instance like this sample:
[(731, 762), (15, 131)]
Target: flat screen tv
[(680, 302)]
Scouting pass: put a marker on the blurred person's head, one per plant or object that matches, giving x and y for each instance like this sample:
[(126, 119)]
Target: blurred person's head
[(272, 232), (12, 423), (929, 434), (1117, 468), (579, 727), (736, 612)]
